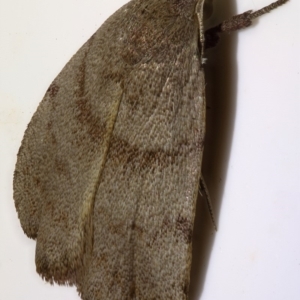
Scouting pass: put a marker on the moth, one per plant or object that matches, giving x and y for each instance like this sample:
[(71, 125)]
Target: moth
[(109, 169)]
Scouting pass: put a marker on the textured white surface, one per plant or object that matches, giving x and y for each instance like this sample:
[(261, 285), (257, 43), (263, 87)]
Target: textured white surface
[(255, 253)]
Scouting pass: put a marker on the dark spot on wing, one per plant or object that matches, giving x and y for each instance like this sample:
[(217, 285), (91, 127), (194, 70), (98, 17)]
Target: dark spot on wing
[(184, 228), (185, 288), (53, 90)]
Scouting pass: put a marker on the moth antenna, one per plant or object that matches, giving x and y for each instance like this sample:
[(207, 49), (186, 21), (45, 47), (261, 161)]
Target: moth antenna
[(237, 22), (267, 8), (203, 187)]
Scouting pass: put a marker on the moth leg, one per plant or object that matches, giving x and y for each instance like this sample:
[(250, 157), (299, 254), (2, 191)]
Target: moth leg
[(237, 22), (204, 189)]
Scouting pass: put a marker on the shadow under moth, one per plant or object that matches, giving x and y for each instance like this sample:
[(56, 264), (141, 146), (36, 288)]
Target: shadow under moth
[(109, 169)]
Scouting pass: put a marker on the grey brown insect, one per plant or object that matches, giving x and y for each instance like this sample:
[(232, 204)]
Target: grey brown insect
[(108, 171)]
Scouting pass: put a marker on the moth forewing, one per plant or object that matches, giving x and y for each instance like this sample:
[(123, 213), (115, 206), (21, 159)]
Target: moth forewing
[(108, 172)]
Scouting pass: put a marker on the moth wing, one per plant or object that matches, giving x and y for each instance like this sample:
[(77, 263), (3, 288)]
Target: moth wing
[(108, 172), (144, 209), (62, 156)]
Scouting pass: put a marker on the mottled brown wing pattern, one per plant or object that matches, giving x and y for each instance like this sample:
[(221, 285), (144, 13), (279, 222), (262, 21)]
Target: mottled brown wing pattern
[(145, 204), (63, 153), (108, 171)]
